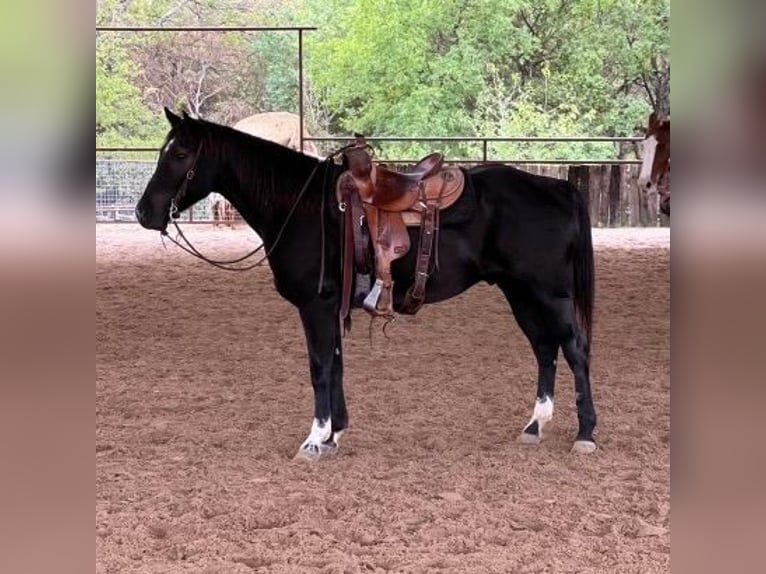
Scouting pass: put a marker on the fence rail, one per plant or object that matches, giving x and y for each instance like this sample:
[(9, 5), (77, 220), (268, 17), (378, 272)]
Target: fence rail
[(204, 28), (610, 188), (608, 184), (484, 141)]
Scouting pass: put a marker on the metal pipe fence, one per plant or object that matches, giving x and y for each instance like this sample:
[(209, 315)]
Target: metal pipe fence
[(484, 141), (120, 180)]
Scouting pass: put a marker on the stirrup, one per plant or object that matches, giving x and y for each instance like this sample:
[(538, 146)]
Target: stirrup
[(370, 303)]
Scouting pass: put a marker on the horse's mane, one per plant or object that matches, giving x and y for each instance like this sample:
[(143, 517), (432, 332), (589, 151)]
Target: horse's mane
[(270, 173)]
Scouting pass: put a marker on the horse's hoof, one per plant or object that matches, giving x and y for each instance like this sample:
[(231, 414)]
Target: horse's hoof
[(528, 438), (328, 448), (305, 456), (308, 453), (583, 447), (312, 452)]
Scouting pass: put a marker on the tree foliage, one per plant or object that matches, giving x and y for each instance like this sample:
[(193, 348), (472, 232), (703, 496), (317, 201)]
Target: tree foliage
[(121, 116), (412, 67), (209, 75), (493, 67)]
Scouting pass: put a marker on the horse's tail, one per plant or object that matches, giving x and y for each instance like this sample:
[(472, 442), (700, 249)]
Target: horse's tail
[(584, 273)]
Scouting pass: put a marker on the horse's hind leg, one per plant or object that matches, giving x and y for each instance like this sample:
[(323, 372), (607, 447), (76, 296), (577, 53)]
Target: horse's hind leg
[(530, 318), (549, 322), (576, 354), (545, 353)]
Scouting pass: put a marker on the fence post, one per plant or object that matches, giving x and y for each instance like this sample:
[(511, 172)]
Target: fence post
[(592, 174), (615, 181), (634, 198), (603, 194), (578, 176)]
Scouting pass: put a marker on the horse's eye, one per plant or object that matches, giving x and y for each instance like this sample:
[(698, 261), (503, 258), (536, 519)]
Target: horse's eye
[(180, 155)]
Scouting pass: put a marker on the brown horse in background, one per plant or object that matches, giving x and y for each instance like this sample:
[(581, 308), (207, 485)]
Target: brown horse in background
[(655, 168)]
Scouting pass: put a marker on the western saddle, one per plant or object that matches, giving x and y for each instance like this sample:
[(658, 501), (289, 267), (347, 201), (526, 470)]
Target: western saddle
[(390, 201)]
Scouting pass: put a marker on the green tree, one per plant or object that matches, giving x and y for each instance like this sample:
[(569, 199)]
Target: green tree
[(492, 67), (121, 116), (425, 68)]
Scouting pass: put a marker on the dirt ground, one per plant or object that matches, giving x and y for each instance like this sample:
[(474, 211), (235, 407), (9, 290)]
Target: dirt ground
[(203, 397)]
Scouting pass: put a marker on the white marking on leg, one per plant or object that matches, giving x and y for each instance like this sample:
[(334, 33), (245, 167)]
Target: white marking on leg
[(542, 414), (320, 432), (543, 410)]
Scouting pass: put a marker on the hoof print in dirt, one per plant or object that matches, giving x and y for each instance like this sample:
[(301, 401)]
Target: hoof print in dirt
[(583, 447)]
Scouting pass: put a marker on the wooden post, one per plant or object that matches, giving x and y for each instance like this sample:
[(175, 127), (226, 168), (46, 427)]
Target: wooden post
[(633, 194), (603, 194), (595, 196), (615, 179), (578, 176)]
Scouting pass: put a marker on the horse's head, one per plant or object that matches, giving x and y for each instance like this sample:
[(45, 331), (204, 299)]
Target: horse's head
[(656, 154), (182, 177)]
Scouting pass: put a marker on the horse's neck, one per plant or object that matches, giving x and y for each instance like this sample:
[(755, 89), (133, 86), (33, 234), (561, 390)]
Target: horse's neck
[(263, 195)]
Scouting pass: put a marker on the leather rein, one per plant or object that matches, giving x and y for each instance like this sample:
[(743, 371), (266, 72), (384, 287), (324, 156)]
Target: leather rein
[(227, 265)]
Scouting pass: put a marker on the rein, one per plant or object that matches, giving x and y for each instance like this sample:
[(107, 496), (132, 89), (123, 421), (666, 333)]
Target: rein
[(189, 248), (227, 265)]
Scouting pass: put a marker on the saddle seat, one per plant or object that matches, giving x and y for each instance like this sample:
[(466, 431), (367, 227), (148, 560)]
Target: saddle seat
[(389, 201), (391, 186)]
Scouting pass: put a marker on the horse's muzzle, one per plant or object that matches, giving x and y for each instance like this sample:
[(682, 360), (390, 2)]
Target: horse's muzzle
[(149, 222)]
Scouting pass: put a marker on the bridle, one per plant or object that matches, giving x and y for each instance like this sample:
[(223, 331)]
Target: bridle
[(221, 264), (174, 214), (181, 193), (231, 265)]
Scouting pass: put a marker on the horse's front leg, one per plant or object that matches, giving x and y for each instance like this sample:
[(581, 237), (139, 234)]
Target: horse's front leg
[(323, 339)]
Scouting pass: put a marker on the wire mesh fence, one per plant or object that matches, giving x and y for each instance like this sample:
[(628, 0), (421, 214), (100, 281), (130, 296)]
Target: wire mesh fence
[(120, 182)]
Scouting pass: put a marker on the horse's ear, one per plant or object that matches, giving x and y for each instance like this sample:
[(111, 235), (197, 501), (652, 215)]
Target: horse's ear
[(172, 118)]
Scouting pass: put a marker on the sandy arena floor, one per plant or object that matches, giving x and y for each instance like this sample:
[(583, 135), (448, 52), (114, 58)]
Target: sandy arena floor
[(203, 397)]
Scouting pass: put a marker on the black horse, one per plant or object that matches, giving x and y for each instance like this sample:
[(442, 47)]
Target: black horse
[(530, 235)]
